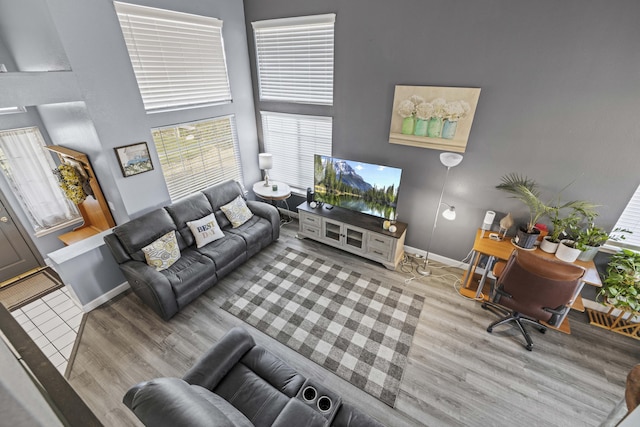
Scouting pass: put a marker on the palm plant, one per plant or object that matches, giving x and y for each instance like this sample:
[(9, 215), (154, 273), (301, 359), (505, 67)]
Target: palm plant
[(526, 190)]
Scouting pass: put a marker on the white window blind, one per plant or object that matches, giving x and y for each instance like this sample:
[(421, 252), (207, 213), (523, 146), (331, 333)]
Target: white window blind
[(295, 59), (29, 170), (293, 140), (178, 58), (630, 220), (195, 155)]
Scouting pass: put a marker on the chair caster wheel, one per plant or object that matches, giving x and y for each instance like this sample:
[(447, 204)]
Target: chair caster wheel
[(489, 329), (529, 347), (543, 330), (484, 305)]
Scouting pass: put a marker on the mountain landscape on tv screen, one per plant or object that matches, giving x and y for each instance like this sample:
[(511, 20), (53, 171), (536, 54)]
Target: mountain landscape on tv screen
[(339, 184)]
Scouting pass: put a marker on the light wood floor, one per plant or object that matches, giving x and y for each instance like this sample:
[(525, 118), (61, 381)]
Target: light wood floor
[(457, 374)]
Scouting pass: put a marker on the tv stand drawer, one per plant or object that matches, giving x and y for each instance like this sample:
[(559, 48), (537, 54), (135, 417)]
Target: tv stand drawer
[(379, 241)]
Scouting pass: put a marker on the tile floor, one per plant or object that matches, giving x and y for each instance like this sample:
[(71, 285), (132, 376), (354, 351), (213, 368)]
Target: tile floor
[(52, 322)]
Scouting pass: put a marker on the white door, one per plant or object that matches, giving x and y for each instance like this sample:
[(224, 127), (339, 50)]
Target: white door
[(15, 255)]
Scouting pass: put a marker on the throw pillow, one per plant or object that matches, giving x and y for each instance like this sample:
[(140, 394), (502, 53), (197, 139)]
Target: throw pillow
[(205, 230), (237, 212), (162, 253)]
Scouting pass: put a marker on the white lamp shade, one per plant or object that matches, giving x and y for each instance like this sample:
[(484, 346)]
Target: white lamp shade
[(450, 159), (265, 160), (450, 213)]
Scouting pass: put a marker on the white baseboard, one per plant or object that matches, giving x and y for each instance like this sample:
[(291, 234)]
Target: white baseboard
[(105, 297), (435, 257)]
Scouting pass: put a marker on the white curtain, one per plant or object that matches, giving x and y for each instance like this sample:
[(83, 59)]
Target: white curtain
[(29, 170)]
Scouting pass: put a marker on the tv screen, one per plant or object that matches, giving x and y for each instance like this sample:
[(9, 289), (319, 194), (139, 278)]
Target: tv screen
[(363, 187)]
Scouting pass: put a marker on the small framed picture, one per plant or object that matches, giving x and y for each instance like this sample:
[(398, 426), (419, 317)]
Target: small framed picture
[(134, 159)]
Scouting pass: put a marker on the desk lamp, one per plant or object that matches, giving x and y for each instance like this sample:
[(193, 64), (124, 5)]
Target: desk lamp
[(449, 160), (265, 162)]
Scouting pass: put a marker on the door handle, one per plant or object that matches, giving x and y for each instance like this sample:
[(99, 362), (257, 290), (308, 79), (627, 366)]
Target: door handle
[(4, 219)]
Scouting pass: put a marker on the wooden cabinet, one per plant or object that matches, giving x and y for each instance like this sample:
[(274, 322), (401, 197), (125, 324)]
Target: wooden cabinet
[(95, 209), (353, 232)]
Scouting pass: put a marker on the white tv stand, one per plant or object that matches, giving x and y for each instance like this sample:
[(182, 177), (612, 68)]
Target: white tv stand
[(353, 232)]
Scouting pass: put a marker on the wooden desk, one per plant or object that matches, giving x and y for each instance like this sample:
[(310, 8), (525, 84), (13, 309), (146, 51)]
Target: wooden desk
[(502, 249)]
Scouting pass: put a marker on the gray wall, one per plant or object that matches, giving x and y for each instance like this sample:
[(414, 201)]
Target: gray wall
[(92, 103), (560, 99)]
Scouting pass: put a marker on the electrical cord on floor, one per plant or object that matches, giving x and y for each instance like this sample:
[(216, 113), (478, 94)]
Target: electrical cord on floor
[(411, 263)]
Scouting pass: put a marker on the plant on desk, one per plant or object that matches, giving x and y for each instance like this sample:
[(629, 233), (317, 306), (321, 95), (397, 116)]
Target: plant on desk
[(525, 190), (567, 216), (590, 238)]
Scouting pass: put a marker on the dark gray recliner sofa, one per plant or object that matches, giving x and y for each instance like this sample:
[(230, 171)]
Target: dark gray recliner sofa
[(170, 290), (239, 384)]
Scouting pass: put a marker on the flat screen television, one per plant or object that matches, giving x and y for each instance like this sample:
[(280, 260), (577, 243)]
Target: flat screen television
[(362, 187)]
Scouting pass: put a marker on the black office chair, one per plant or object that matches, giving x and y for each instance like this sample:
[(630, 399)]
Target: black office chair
[(531, 289)]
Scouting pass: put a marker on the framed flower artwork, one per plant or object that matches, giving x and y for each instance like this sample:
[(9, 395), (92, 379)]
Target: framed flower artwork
[(433, 117)]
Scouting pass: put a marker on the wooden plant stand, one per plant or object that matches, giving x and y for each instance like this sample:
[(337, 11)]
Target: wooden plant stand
[(614, 323)]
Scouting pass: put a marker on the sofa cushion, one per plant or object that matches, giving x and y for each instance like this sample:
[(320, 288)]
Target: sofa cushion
[(205, 230), (138, 233), (190, 208), (162, 253), (221, 194), (225, 253), (190, 276), (237, 212), (258, 400), (257, 233)]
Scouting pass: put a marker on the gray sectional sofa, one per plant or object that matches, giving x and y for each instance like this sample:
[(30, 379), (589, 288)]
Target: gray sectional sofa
[(197, 269), (240, 384)]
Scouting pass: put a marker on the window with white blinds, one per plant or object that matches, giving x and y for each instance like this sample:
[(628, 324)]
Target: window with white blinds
[(196, 155), (178, 58), (295, 59), (630, 220), (293, 140)]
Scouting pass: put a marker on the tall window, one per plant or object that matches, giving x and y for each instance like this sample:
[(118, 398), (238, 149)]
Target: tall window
[(29, 170), (293, 139), (178, 58), (295, 65), (295, 59), (630, 220), (196, 155)]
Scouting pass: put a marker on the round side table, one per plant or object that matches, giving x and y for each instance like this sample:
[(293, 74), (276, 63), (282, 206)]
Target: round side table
[(282, 193)]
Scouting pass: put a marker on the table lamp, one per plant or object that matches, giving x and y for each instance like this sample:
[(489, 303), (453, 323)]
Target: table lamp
[(265, 161)]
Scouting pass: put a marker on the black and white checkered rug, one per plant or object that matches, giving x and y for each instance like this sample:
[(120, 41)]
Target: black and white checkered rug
[(357, 327)]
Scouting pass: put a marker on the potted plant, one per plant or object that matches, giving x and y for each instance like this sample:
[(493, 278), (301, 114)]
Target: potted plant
[(621, 287), (560, 223), (590, 238), (525, 190), (577, 210)]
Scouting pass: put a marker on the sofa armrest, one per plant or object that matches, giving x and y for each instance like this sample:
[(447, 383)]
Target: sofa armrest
[(152, 287), (268, 212), (173, 402), (216, 363), (116, 248)]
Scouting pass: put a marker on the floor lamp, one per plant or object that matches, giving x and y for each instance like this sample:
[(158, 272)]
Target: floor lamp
[(450, 160)]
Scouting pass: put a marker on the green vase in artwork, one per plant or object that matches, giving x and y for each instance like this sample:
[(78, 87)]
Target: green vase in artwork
[(449, 129), (421, 127), (408, 124), (434, 130)]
